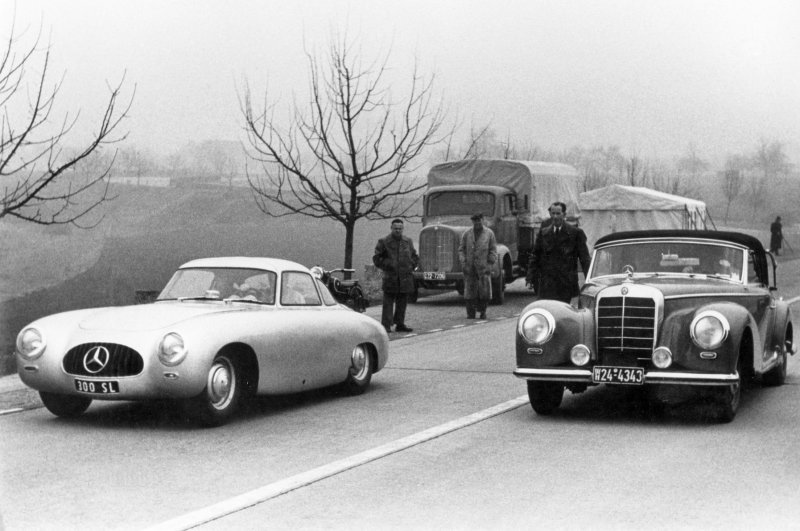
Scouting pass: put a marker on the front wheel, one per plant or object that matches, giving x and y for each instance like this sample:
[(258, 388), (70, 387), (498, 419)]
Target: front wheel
[(545, 397), (729, 397), (360, 372), (66, 406), (777, 375), (218, 401)]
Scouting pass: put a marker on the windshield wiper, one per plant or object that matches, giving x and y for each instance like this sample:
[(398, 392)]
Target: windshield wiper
[(200, 298), (233, 299)]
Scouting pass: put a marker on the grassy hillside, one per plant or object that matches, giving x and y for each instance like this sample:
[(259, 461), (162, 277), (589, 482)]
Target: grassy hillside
[(146, 235)]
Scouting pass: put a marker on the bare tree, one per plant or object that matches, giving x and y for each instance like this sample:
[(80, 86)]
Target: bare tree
[(351, 153), (732, 179), (36, 183)]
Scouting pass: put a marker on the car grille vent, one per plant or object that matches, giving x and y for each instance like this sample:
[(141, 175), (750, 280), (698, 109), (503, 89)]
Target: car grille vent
[(437, 249), (121, 360), (625, 328)]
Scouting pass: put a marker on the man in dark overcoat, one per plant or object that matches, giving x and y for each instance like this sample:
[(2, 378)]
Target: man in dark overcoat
[(553, 266), (396, 257), (776, 236)]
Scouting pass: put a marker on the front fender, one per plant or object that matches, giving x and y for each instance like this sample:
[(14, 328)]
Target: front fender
[(572, 327), (676, 336)]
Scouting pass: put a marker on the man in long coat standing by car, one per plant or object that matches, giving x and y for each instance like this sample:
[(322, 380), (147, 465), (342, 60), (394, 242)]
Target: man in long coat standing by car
[(776, 236), (396, 257), (553, 266), (477, 252)]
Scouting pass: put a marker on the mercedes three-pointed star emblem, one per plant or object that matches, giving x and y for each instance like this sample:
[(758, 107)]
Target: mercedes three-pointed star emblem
[(96, 359)]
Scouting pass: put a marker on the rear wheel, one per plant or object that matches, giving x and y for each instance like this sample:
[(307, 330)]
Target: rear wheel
[(66, 406), (216, 404), (545, 397), (498, 290), (777, 375), (360, 372), (357, 300)]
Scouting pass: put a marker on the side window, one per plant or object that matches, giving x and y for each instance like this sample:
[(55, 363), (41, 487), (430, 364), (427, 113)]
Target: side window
[(297, 289), (751, 270), (327, 298)]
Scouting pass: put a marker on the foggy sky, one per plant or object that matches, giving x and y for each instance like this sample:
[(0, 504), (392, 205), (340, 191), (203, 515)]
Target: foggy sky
[(649, 76)]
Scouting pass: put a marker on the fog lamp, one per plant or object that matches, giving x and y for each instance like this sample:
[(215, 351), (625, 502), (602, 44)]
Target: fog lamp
[(662, 357), (580, 355)]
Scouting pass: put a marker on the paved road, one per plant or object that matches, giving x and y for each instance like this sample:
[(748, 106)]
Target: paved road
[(444, 439)]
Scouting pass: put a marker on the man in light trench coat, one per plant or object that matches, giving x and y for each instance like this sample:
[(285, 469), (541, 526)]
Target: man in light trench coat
[(477, 253)]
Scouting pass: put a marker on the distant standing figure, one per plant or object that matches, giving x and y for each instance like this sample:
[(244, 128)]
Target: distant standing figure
[(477, 252), (396, 257), (776, 236), (553, 266)]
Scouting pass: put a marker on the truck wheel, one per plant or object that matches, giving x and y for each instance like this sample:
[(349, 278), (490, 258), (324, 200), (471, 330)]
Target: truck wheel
[(498, 290)]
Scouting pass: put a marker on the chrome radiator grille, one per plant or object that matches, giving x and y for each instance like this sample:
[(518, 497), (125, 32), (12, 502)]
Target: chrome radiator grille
[(626, 328), (438, 250), (104, 359)]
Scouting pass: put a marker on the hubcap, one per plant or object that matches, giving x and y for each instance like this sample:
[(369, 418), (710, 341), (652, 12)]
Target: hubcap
[(360, 363), (220, 383)]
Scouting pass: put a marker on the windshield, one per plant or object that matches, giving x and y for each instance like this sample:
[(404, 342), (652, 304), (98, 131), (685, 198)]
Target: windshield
[(671, 258), (460, 204), (213, 283)]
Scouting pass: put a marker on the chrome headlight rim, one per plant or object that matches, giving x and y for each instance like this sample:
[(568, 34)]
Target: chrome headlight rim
[(724, 326), (30, 343), (546, 316), (172, 349)]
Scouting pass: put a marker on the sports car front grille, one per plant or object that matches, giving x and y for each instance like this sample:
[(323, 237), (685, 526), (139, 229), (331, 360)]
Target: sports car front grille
[(626, 328), (89, 359), (437, 249)]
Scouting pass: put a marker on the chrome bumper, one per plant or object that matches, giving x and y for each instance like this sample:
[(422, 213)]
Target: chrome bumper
[(650, 377)]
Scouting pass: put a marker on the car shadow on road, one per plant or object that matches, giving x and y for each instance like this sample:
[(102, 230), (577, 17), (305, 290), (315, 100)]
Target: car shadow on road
[(625, 404)]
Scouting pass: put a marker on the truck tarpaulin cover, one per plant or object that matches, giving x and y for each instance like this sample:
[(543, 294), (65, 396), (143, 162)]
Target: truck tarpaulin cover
[(619, 208), (542, 182)]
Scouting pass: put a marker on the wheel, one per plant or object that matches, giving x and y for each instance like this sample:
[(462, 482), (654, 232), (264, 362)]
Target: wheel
[(545, 397), (777, 375), (460, 287), (360, 372), (66, 406), (219, 399), (729, 397), (357, 299), (498, 290)]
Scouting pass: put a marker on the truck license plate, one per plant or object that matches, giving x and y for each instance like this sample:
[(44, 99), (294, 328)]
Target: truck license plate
[(103, 387), (618, 375), (433, 275)]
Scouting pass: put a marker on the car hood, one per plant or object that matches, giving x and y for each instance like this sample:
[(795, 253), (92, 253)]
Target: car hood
[(671, 287), (150, 316)]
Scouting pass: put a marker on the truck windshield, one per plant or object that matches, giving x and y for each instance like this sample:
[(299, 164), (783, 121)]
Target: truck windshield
[(460, 204)]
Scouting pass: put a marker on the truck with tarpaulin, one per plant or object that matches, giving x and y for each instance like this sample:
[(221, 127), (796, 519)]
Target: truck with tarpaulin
[(513, 197)]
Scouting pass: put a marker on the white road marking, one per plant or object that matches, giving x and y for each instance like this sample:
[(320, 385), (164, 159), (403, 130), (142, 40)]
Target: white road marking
[(10, 411), (793, 300), (267, 492)]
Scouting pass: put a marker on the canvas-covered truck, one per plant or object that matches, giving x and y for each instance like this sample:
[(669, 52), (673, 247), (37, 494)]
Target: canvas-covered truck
[(513, 197)]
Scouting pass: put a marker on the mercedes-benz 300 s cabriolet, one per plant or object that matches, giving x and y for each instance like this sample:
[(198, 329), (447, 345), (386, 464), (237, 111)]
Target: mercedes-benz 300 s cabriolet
[(222, 328), (679, 314)]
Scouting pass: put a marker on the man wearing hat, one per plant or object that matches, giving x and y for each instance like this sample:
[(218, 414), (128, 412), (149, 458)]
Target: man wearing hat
[(477, 252)]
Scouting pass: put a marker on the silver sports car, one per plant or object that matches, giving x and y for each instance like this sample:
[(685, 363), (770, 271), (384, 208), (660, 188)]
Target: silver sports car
[(221, 329)]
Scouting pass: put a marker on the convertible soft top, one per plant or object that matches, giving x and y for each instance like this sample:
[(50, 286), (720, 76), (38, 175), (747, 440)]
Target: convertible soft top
[(733, 237), (751, 242)]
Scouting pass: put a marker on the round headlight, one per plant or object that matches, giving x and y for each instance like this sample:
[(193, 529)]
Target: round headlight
[(580, 355), (662, 357), (537, 326), (172, 351), (709, 330), (30, 343)]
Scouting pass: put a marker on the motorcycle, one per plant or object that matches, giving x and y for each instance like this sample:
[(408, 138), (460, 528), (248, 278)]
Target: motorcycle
[(347, 292)]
